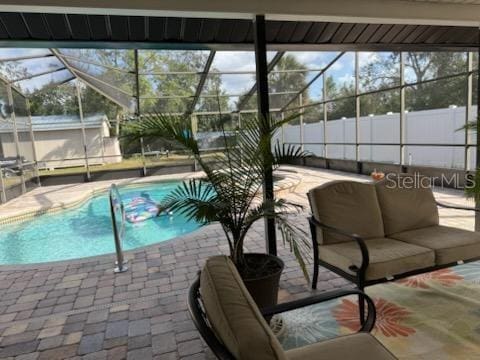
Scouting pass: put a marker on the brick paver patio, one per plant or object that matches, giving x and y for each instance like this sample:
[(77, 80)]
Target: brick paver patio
[(81, 310)]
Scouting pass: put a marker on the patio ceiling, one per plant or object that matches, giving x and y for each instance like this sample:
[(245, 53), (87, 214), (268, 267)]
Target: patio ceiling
[(82, 30), (56, 31), (431, 12)]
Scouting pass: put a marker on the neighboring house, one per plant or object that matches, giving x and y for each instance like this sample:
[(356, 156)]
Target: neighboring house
[(59, 140)]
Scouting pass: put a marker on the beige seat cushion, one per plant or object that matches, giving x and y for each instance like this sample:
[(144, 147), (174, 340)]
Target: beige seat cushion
[(234, 315), (388, 257), (347, 205), (351, 347), (450, 244), (405, 207)]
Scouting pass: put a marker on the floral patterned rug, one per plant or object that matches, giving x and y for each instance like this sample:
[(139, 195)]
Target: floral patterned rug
[(429, 316)]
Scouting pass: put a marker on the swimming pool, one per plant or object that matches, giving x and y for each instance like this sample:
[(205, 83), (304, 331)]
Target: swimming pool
[(87, 230)]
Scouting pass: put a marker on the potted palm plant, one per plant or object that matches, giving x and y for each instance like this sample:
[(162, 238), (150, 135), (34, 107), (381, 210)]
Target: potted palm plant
[(230, 193)]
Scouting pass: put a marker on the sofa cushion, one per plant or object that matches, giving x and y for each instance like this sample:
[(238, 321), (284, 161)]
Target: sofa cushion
[(233, 314), (388, 257), (450, 244), (405, 207), (359, 346), (347, 205)]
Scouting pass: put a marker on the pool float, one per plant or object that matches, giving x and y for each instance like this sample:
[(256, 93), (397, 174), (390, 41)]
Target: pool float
[(140, 209)]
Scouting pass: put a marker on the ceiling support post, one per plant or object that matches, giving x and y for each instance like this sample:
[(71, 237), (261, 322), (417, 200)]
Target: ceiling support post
[(264, 114), (477, 152), (137, 110)]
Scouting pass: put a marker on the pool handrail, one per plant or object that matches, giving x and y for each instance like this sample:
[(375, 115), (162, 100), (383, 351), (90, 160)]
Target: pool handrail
[(116, 201)]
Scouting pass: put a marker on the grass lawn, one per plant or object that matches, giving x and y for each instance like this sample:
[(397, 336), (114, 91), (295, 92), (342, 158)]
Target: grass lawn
[(132, 163), (11, 181)]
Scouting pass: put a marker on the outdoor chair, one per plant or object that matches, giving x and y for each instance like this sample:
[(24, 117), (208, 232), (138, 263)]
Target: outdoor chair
[(375, 232), (234, 327)]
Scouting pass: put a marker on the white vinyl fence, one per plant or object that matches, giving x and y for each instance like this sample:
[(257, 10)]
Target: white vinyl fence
[(438, 126)]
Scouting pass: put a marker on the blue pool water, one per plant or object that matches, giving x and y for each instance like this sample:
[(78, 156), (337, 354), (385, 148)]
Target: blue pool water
[(87, 230)]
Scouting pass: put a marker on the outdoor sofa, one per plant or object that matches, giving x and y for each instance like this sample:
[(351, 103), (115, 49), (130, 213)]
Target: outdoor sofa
[(234, 327), (370, 233)]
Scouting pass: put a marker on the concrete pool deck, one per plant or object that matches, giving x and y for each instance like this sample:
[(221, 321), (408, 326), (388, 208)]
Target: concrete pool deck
[(80, 310)]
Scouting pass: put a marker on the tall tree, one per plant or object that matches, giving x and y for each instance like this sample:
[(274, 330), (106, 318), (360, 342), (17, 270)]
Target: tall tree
[(57, 100), (287, 82), (383, 72), (179, 84), (13, 70), (62, 100), (284, 85), (437, 94)]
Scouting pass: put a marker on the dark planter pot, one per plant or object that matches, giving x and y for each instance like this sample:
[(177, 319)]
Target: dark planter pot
[(264, 289)]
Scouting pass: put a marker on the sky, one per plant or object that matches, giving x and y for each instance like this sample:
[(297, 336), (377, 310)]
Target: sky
[(34, 66), (223, 61), (342, 70)]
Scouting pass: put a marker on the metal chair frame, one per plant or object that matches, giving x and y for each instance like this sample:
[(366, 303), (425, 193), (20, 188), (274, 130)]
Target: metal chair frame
[(359, 277), (200, 318)]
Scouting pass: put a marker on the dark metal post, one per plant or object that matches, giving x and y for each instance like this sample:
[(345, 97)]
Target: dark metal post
[(468, 109), (325, 114), (357, 113), (137, 108), (477, 152), (302, 133), (402, 112), (137, 83), (263, 111)]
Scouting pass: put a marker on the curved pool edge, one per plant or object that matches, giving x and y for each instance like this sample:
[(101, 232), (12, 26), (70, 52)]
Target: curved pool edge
[(288, 183), (128, 254), (91, 190)]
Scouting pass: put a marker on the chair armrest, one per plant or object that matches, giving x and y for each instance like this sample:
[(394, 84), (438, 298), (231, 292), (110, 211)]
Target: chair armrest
[(360, 242), (457, 207), (331, 295)]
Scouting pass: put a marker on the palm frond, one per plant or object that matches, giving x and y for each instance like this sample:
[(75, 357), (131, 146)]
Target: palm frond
[(472, 188), (288, 153), (277, 124), (169, 127), (195, 199), (271, 209), (297, 239), (230, 193), (471, 125)]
